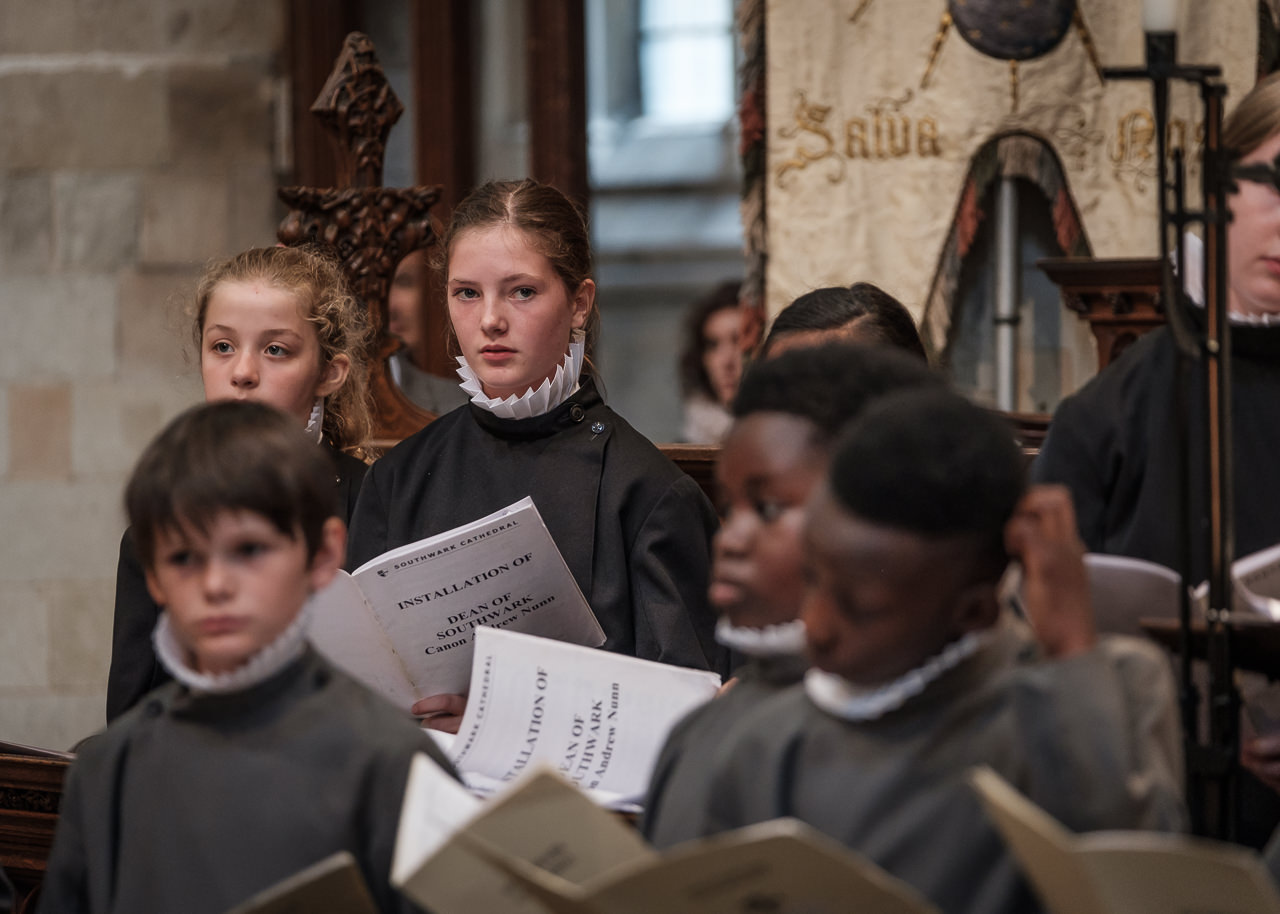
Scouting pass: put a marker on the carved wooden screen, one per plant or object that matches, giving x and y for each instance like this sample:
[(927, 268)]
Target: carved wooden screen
[(370, 227)]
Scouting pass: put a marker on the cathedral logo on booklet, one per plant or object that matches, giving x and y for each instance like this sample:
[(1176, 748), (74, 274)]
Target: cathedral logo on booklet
[(404, 623)]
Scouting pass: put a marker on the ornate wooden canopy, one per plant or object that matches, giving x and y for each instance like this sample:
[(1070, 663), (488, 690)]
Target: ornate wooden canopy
[(370, 227)]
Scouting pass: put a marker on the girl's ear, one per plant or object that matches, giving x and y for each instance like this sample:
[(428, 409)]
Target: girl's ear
[(330, 553), (583, 300), (333, 375)]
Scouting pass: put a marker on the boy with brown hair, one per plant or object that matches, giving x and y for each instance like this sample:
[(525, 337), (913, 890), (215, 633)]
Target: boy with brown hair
[(260, 758)]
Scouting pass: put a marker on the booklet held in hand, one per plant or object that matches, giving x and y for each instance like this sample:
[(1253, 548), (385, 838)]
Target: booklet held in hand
[(1124, 872), (541, 847), (598, 718), (404, 623)]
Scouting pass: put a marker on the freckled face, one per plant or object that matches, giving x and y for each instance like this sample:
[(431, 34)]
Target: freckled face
[(256, 345), (878, 601), (767, 467), (1253, 240), (510, 310)]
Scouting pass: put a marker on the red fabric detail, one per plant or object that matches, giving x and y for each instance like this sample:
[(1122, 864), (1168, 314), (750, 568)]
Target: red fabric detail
[(967, 219)]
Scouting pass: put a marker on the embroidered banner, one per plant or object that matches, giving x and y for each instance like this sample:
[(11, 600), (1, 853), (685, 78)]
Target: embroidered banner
[(877, 109)]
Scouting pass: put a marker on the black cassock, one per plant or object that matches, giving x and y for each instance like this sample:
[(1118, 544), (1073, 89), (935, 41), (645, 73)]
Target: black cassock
[(633, 528), (1113, 445)]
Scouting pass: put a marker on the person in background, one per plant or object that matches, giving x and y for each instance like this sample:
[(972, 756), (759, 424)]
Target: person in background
[(861, 313), (260, 758), (711, 364), (404, 321), (919, 675), (1115, 442), (787, 414), (1112, 443), (634, 529), (278, 325)]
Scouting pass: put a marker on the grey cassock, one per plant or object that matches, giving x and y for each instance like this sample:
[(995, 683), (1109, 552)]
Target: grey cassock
[(1093, 739), (192, 803), (676, 807)]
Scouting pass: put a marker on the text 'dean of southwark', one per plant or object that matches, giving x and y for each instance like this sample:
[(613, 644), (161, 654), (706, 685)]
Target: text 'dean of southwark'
[(404, 623)]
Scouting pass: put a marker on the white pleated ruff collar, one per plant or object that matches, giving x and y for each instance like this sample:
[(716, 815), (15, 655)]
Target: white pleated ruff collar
[(551, 393), (841, 698), (271, 659), (785, 639)]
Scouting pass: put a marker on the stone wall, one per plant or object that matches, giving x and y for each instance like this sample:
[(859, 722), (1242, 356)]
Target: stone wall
[(137, 142)]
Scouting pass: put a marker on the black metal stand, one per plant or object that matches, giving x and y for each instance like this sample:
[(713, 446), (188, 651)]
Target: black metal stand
[(1212, 758)]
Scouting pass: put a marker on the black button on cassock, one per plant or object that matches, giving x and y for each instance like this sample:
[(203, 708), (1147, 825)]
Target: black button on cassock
[(577, 413)]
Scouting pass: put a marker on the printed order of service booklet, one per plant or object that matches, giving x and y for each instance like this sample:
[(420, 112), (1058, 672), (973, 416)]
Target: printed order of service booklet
[(404, 623), (1124, 872), (598, 718), (540, 847)]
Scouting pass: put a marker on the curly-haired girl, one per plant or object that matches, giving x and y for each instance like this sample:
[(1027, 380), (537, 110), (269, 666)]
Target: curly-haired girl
[(278, 325)]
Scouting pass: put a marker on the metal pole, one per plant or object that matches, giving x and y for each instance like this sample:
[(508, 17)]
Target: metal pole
[(1008, 293)]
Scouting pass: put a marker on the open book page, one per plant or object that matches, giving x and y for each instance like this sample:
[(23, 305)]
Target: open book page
[(1124, 872), (343, 628), (20, 749), (1257, 583), (427, 599), (332, 886), (1125, 589), (541, 846), (1122, 590), (782, 865), (447, 840), (598, 718), (1263, 709)]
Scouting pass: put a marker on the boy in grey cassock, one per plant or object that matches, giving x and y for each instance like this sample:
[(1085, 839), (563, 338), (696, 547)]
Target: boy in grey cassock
[(787, 413), (918, 675), (260, 758)]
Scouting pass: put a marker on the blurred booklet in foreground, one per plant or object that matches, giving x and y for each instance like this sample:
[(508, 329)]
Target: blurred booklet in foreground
[(1124, 872), (1257, 583), (541, 846), (1125, 588), (25, 751), (404, 622), (598, 718), (1122, 589), (331, 886)]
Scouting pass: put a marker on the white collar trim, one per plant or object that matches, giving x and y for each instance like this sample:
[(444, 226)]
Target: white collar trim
[(786, 639), (273, 658), (551, 393), (315, 422), (843, 699)]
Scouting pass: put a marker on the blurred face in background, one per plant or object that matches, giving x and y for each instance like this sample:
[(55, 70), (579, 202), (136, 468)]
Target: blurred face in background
[(1253, 240), (722, 352), (404, 301)]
